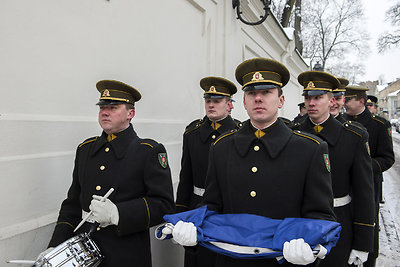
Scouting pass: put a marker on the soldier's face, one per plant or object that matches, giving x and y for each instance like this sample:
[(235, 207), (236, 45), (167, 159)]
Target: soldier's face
[(318, 106), (338, 103), (353, 106), (217, 108), (262, 106), (115, 118), (373, 109)]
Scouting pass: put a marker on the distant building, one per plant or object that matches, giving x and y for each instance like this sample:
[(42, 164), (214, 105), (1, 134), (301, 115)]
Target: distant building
[(389, 99)]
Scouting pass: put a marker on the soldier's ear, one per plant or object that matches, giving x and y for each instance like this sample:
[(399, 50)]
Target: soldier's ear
[(131, 113), (281, 101)]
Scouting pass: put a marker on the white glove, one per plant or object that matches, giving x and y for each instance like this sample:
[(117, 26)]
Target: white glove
[(321, 251), (298, 252), (44, 253), (185, 233), (167, 230), (357, 257), (105, 213)]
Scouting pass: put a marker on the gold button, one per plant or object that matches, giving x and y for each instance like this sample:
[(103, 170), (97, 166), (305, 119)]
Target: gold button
[(107, 149), (253, 193), (256, 148), (102, 167), (213, 136), (254, 169), (98, 188), (98, 228)]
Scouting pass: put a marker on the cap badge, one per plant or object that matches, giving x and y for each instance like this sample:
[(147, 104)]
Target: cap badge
[(212, 89), (106, 93), (257, 77), (310, 85)]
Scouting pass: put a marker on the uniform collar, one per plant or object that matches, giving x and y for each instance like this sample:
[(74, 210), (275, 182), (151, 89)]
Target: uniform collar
[(274, 140), (119, 145), (362, 118), (330, 132), (206, 130)]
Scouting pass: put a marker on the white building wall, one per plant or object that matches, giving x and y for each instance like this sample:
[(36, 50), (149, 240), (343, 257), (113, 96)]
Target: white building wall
[(52, 54)]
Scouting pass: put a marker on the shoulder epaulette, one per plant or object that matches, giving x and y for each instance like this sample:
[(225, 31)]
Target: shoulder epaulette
[(238, 123), (379, 119), (355, 127), (357, 124), (148, 142), (193, 125), (87, 141), (225, 135), (285, 120), (295, 125), (308, 136)]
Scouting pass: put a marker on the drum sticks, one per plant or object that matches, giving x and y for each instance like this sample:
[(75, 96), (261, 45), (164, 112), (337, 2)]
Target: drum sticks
[(90, 213)]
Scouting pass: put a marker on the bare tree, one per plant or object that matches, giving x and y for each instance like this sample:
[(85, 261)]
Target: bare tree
[(283, 10), (388, 40), (277, 7), (348, 70), (297, 26), (332, 28), (287, 12)]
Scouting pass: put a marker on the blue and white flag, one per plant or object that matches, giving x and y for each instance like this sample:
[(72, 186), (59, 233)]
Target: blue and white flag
[(252, 236)]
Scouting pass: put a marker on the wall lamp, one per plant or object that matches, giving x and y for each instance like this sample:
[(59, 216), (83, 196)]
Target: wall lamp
[(266, 3)]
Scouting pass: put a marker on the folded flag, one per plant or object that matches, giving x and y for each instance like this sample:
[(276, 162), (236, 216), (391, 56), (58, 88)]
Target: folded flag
[(252, 236)]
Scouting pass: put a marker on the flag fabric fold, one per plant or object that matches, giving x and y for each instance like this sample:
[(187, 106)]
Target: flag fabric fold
[(252, 236)]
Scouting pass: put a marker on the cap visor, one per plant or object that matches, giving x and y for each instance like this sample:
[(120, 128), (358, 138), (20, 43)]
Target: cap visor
[(314, 92), (252, 87), (214, 96), (335, 94), (104, 102)]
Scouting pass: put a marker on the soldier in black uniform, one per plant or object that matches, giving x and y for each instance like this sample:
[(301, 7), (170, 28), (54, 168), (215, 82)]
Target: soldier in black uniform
[(196, 144), (302, 114), (338, 94), (351, 172), (138, 171), (372, 104), (264, 168), (381, 147)]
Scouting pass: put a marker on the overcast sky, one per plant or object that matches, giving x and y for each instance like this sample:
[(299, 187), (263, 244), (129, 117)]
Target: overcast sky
[(386, 64)]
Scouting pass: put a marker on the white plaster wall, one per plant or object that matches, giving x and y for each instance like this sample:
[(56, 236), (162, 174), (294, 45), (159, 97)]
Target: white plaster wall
[(53, 52)]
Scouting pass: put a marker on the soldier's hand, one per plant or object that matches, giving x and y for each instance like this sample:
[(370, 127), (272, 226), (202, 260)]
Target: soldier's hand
[(357, 257), (105, 213), (298, 252), (185, 233)]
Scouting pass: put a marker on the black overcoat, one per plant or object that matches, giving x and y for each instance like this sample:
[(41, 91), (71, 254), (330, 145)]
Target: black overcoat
[(196, 145), (138, 171), (197, 139), (283, 174), (381, 146), (351, 175)]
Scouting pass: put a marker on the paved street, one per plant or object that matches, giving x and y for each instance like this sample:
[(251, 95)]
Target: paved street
[(389, 255)]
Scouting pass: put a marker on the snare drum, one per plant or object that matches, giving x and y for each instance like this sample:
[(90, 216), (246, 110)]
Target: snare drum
[(77, 251)]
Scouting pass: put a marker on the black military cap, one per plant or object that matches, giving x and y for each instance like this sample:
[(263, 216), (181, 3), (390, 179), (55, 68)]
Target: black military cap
[(261, 73), (342, 87), (301, 105), (216, 87), (355, 90), (372, 100), (317, 82), (116, 92)]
